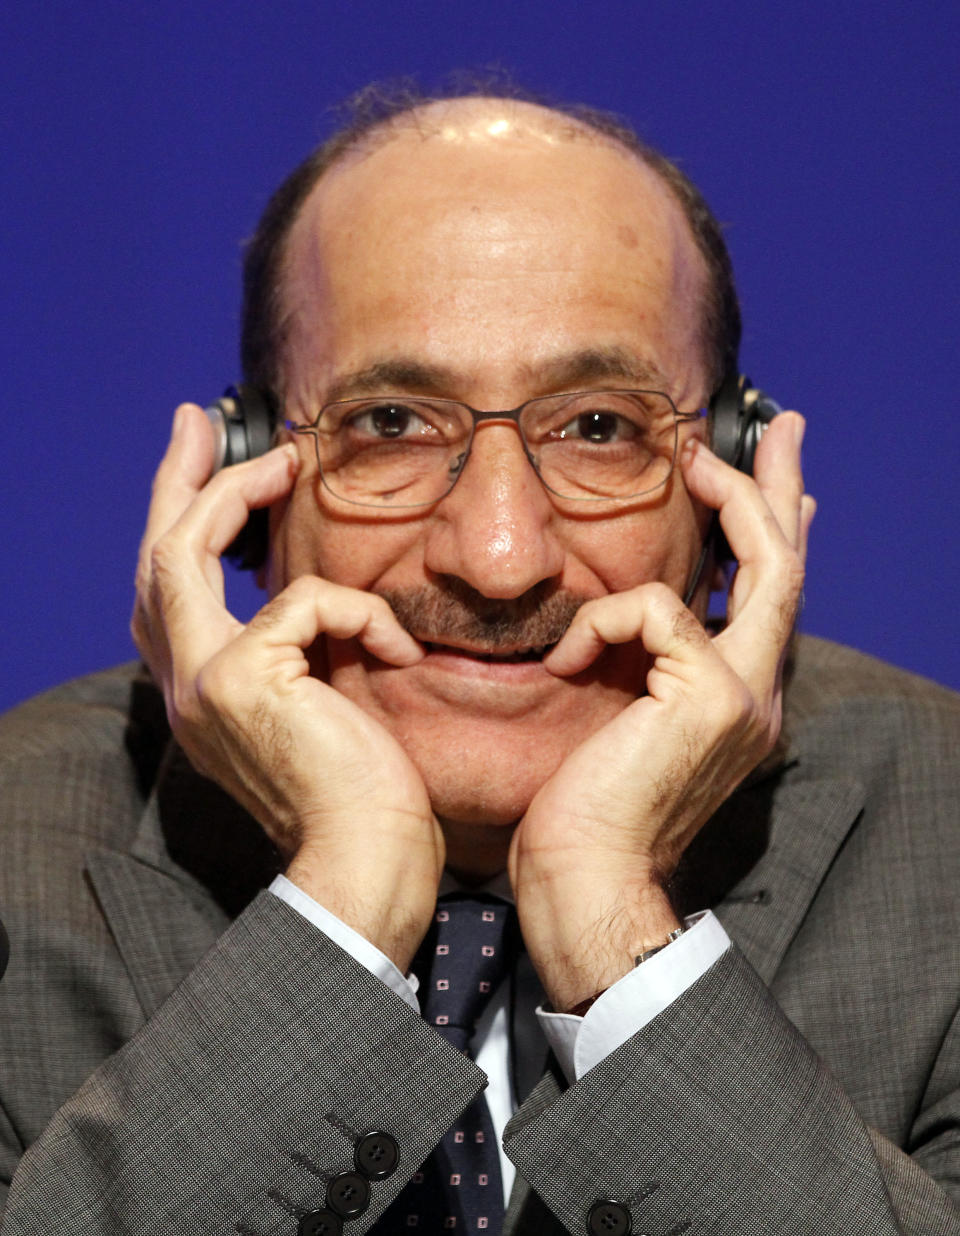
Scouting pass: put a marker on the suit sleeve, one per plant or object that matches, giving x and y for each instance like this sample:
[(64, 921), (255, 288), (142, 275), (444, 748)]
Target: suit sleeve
[(244, 1096), (718, 1118)]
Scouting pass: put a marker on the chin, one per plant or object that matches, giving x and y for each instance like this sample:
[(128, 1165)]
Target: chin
[(479, 797), (488, 793), (486, 773), (484, 747)]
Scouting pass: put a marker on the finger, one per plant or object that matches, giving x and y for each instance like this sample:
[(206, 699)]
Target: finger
[(777, 471), (180, 584), (769, 577), (755, 533), (180, 484), (184, 468), (808, 510), (183, 471), (650, 613), (311, 606)]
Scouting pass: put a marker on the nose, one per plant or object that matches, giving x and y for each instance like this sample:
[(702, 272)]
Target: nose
[(497, 528)]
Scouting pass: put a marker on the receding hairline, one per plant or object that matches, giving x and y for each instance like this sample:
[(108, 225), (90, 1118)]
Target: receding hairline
[(377, 117), (485, 116), (476, 119)]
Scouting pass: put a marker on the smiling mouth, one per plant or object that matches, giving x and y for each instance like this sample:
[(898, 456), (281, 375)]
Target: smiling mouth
[(475, 654)]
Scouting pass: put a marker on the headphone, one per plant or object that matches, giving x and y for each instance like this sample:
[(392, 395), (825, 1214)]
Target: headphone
[(244, 419)]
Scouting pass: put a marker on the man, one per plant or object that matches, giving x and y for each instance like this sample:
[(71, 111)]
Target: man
[(485, 654)]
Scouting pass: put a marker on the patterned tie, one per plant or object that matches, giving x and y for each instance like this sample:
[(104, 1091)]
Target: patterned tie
[(464, 958)]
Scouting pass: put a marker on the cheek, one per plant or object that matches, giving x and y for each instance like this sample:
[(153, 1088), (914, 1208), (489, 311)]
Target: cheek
[(611, 554), (639, 547), (306, 538)]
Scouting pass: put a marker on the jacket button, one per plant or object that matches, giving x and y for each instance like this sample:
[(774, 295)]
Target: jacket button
[(319, 1223), (609, 1218), (376, 1155), (348, 1194)]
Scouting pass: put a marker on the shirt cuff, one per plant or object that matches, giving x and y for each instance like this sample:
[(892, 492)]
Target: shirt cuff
[(352, 942), (635, 1000)]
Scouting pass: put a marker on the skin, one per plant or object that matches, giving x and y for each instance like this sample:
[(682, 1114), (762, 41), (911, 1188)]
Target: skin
[(483, 254)]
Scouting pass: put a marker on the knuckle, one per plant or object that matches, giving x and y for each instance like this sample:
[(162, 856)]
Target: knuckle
[(659, 593), (299, 592), (214, 685), (789, 586), (736, 708), (294, 596), (793, 571), (270, 615), (183, 710), (164, 560), (139, 628), (141, 578), (686, 629), (380, 607)]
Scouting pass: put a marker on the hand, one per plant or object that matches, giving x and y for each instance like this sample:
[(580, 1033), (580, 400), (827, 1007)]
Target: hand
[(330, 786), (590, 859)]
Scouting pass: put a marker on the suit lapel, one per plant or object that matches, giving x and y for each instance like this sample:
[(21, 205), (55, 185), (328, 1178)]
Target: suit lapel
[(196, 860), (160, 931), (810, 821)]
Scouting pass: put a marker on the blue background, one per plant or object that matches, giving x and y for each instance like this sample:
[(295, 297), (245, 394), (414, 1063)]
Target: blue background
[(141, 140)]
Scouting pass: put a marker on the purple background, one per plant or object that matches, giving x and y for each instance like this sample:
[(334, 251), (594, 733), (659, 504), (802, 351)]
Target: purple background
[(140, 141)]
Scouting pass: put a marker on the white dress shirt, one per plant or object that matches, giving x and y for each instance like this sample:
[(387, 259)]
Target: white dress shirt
[(579, 1043)]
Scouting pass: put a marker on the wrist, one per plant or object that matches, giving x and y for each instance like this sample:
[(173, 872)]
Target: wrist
[(392, 914), (583, 942), (581, 1009)]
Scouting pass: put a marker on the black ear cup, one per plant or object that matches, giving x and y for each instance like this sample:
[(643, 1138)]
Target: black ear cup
[(243, 421), (738, 414)]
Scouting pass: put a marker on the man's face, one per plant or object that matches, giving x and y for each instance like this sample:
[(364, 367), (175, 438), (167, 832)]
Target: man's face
[(490, 266)]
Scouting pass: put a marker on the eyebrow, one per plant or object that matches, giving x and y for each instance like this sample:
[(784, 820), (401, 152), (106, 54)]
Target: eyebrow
[(596, 364), (557, 373), (401, 374)]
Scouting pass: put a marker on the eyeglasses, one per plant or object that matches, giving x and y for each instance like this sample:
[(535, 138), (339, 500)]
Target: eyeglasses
[(586, 446)]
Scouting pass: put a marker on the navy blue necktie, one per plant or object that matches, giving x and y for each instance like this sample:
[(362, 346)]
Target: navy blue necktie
[(464, 958)]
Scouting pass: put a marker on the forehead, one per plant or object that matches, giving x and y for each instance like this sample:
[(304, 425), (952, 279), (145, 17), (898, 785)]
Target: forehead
[(488, 237)]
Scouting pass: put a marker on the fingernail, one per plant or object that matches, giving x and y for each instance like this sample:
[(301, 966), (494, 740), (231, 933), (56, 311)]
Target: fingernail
[(177, 422), (799, 429), (690, 448)]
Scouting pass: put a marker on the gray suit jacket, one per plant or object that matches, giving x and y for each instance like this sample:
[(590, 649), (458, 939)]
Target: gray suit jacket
[(180, 1053)]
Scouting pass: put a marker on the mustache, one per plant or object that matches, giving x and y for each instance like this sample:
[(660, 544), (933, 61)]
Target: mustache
[(451, 611)]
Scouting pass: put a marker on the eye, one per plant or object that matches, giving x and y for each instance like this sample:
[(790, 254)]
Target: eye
[(388, 421), (599, 427)]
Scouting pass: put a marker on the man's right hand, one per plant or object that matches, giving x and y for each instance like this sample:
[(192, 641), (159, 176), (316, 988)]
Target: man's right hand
[(333, 790)]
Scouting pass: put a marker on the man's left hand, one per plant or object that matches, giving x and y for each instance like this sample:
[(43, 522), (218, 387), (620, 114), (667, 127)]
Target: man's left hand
[(591, 857)]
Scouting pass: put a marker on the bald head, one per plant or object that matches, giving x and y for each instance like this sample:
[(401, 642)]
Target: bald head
[(475, 123), (482, 120)]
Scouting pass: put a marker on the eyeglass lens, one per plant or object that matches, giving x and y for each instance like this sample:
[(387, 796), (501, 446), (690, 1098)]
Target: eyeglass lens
[(396, 452)]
